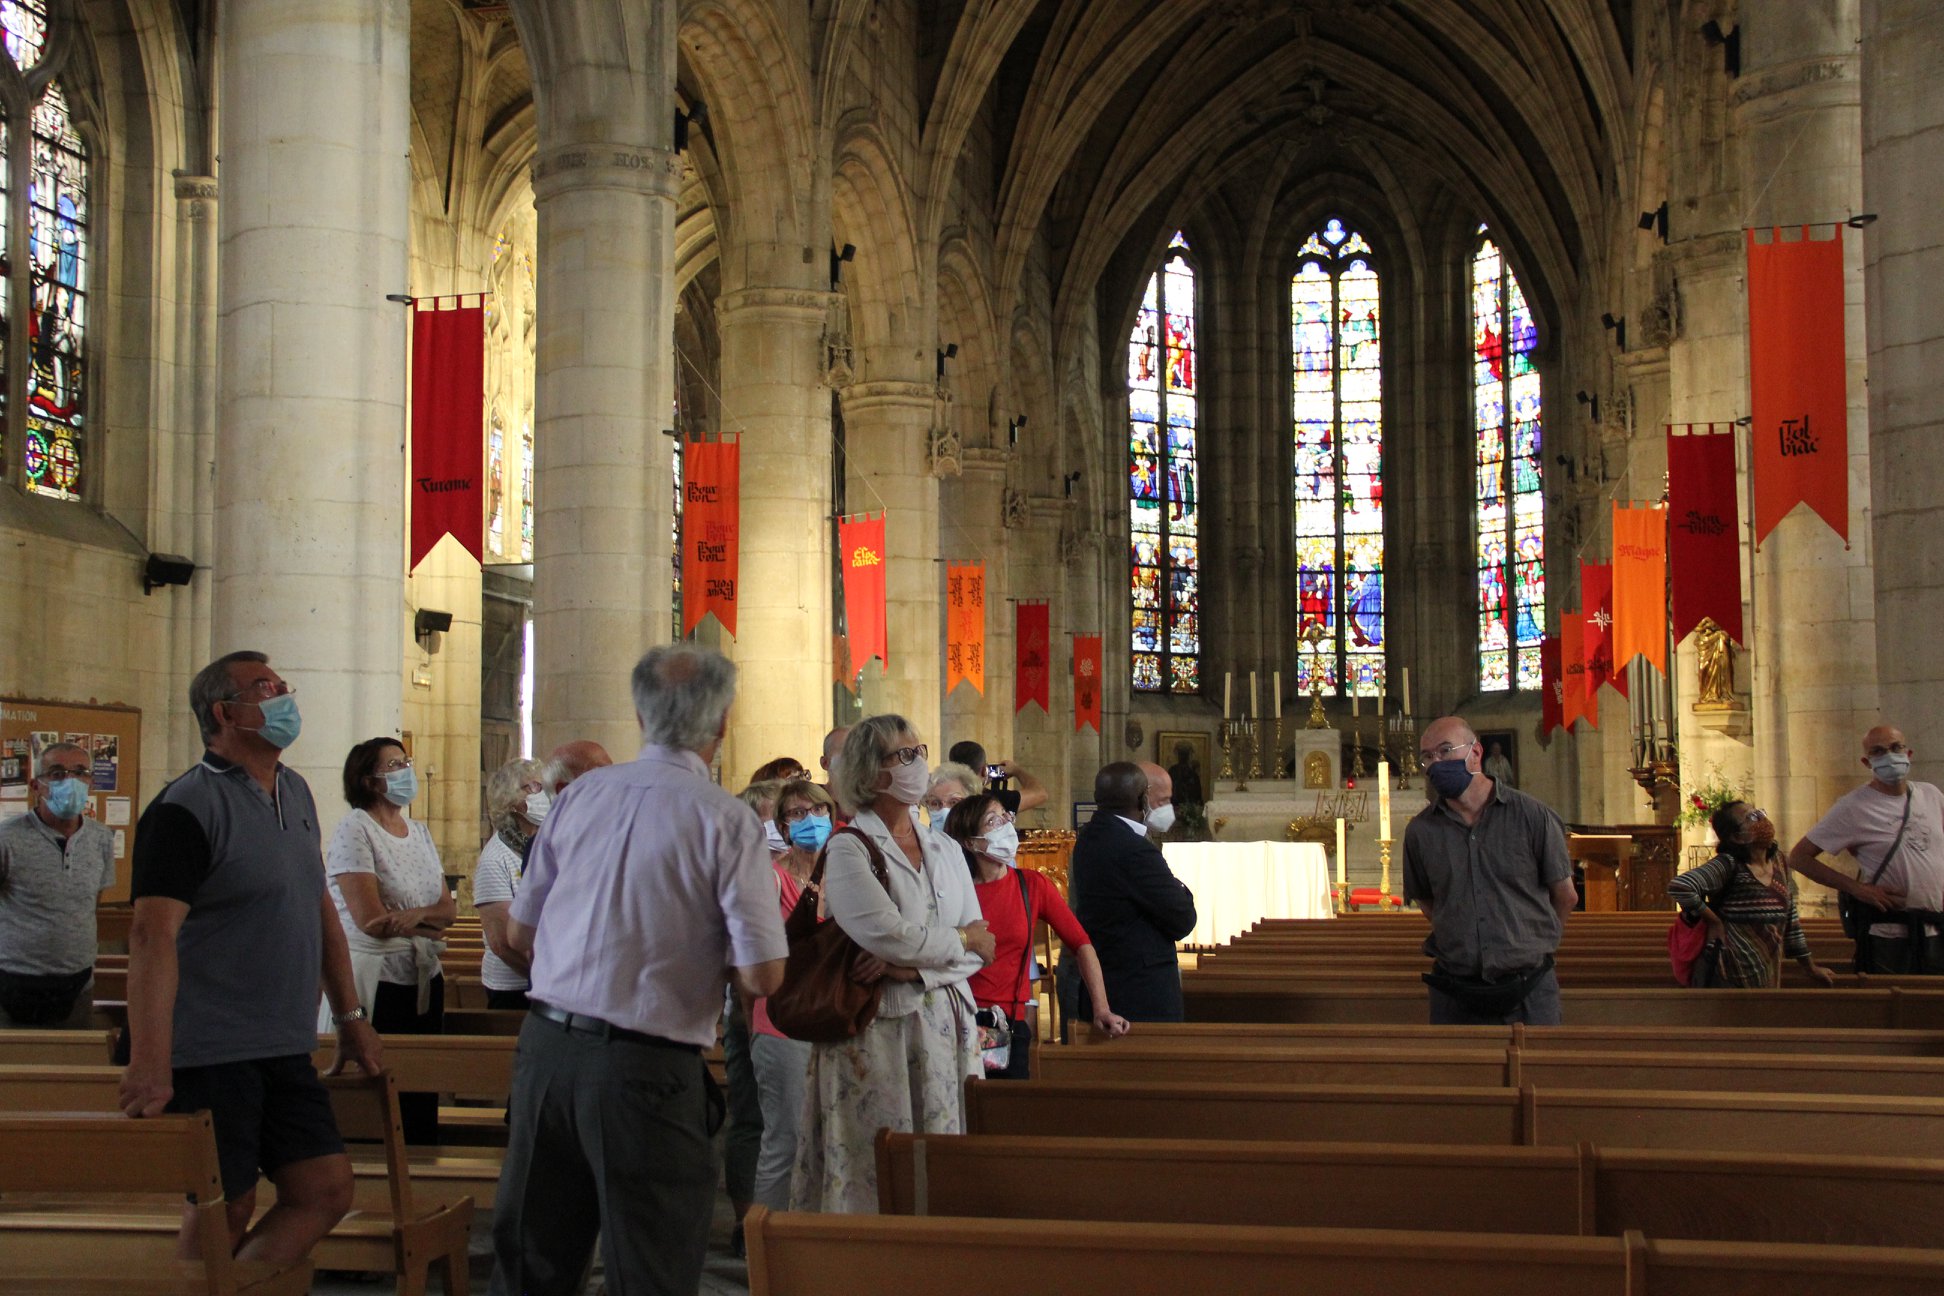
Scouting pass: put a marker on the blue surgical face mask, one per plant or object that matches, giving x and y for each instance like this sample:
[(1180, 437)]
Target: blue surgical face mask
[(810, 832), (66, 798), (1448, 778), (401, 786), (281, 723)]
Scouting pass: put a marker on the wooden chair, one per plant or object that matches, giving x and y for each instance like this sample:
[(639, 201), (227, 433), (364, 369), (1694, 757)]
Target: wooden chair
[(99, 1155)]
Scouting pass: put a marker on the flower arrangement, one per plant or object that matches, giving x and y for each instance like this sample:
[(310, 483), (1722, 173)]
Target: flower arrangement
[(1700, 800)]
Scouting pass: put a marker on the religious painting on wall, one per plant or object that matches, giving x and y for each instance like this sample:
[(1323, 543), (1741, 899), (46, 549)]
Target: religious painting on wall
[(1186, 758), (1500, 748)]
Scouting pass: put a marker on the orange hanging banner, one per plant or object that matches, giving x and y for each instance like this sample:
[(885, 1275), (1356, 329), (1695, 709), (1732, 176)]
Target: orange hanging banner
[(1086, 681), (711, 513), (1572, 667), (965, 626), (861, 540), (1639, 586), (1797, 375)]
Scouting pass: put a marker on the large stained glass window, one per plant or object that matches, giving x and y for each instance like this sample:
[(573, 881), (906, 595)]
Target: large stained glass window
[(1164, 539), (496, 484), (57, 239), (1511, 501), (1338, 411)]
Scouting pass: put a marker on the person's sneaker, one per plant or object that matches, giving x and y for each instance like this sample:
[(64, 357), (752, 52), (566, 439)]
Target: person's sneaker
[(737, 1247)]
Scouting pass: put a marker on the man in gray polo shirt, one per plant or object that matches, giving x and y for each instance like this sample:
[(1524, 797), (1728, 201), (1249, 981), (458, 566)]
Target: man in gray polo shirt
[(1487, 865), (233, 930), (54, 864)]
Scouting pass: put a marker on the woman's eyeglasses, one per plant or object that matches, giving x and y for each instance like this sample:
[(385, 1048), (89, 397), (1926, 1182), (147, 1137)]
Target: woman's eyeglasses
[(906, 755), (797, 814)]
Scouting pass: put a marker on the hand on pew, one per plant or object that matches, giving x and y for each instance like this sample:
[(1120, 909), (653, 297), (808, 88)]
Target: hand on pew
[(358, 1042), (146, 1090), (1111, 1024)]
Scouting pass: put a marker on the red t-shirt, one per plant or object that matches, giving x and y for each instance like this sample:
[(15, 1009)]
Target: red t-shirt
[(1005, 982), (788, 891)]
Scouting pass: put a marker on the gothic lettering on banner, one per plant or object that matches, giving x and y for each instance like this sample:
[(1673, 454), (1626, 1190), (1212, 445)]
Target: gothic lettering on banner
[(711, 514), (448, 425), (1797, 378), (1640, 586), (1086, 682), (1551, 688), (1703, 529), (1033, 648), (1596, 596), (861, 537), (965, 626)]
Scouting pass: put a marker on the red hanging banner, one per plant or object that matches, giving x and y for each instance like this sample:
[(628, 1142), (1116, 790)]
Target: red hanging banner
[(861, 539), (448, 425), (1550, 687), (965, 626), (1596, 643), (1572, 668), (1703, 529), (711, 513), (1033, 647), (1797, 376), (1640, 586), (1086, 681)]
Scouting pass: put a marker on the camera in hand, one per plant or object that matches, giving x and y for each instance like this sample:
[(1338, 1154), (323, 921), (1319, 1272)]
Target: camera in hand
[(995, 774)]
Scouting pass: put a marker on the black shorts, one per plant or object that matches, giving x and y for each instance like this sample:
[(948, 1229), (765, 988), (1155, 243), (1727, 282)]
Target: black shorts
[(268, 1113)]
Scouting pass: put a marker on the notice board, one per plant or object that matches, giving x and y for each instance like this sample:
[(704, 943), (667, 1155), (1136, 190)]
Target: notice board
[(112, 737)]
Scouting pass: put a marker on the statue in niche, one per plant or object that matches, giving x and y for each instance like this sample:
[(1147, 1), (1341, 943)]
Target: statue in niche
[(1714, 666)]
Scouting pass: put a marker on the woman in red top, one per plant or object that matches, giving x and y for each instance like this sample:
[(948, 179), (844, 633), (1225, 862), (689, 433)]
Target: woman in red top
[(984, 831)]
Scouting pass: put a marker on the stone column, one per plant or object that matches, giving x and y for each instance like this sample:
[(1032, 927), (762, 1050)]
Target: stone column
[(605, 180), (309, 526), (974, 530), (1903, 137), (774, 395), (185, 489), (887, 426), (1815, 661)]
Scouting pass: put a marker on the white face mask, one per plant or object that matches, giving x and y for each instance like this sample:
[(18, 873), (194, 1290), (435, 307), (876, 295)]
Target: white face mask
[(777, 843), (908, 783), (537, 806), (1002, 843), (1891, 767), (1161, 818)]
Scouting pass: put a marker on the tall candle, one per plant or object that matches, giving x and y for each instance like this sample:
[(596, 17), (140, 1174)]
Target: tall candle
[(1228, 681), (1380, 697), (1356, 705), (1341, 875), (1275, 695), (1383, 799), (1407, 690), (1255, 703)]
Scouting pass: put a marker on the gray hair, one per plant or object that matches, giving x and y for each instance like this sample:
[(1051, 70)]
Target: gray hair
[(48, 752), (953, 772), (682, 693), (757, 794), (213, 684), (854, 777), (505, 797)]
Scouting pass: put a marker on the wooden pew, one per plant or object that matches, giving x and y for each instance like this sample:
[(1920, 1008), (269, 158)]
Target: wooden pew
[(56, 1047), (1190, 1037), (1821, 1124), (90, 1157), (852, 1255), (1582, 1190)]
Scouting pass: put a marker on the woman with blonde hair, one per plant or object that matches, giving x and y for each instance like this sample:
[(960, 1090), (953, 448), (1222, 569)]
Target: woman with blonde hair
[(517, 803)]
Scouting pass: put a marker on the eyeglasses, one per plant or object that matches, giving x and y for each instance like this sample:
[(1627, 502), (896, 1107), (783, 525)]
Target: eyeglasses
[(992, 823), (1894, 749), (53, 772), (906, 755), (262, 690), (797, 814), (533, 785), (395, 764), (1445, 752), (937, 803), (1754, 816)]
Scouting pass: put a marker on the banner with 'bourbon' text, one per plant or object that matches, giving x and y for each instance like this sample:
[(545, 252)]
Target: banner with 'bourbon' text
[(1797, 376), (861, 539), (448, 425), (965, 626), (711, 513)]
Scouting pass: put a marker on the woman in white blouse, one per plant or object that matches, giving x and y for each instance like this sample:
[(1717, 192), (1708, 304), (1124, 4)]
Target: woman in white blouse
[(516, 803), (923, 930), (393, 901)]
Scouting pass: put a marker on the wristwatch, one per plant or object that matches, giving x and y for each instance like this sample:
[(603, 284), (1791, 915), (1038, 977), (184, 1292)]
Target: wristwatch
[(357, 1014)]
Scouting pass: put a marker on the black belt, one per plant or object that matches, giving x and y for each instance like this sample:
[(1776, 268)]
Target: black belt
[(582, 1024)]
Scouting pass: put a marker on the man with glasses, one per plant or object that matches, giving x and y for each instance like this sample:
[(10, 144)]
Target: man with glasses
[(1894, 826), (55, 862), (1130, 902), (1487, 865)]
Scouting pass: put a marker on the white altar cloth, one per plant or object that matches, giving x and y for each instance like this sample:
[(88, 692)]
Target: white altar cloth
[(1237, 883)]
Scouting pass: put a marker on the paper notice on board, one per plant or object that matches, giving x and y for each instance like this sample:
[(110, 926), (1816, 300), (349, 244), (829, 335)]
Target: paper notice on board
[(116, 815), (121, 843)]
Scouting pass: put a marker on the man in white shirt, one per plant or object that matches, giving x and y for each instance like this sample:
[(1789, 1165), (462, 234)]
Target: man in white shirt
[(1895, 829)]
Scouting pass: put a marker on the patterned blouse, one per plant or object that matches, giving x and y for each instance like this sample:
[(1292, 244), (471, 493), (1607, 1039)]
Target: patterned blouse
[(1759, 918)]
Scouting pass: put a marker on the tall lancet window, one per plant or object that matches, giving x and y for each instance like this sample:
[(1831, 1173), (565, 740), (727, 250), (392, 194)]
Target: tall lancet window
[(40, 145), (1511, 501), (1337, 404), (1164, 543)]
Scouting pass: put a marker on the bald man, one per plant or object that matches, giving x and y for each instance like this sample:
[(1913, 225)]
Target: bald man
[(1131, 904), (1160, 799), (1487, 865), (1894, 826), (570, 760)]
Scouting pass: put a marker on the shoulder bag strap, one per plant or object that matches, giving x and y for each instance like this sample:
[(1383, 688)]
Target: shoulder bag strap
[(1898, 843), (871, 851), (1026, 950)]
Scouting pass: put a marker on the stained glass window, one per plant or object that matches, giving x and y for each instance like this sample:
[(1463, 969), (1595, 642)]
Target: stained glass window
[(1337, 408), (526, 494), (24, 23), (1511, 501), (1164, 546), (496, 485), (57, 239)]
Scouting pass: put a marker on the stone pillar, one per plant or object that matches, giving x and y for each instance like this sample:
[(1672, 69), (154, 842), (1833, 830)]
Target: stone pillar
[(974, 530), (773, 394), (887, 427), (309, 526), (185, 488), (1903, 137), (1815, 660), (605, 180)]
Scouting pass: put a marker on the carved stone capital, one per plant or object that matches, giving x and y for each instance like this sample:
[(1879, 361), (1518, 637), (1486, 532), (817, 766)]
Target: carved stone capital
[(633, 168), (196, 196), (1014, 510)]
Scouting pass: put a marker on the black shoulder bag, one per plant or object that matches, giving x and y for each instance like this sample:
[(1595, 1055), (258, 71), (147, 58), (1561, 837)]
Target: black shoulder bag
[(1858, 917)]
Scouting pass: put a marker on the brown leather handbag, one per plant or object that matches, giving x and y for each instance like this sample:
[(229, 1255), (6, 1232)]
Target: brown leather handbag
[(819, 1002)]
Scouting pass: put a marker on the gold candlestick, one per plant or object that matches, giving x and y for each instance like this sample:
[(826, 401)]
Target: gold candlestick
[(1383, 853), (1407, 751), (1357, 769), (1278, 771), (1227, 738), (1245, 733), (1255, 749)]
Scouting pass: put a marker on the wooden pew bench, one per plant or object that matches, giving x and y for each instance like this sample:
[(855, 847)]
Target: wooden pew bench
[(851, 1255), (1194, 1036), (1583, 1190)]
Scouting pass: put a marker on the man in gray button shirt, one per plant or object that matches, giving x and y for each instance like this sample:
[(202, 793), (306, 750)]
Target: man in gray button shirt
[(54, 864), (1487, 865)]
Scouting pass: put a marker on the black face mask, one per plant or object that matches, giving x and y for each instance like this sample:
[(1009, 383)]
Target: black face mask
[(1448, 778)]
